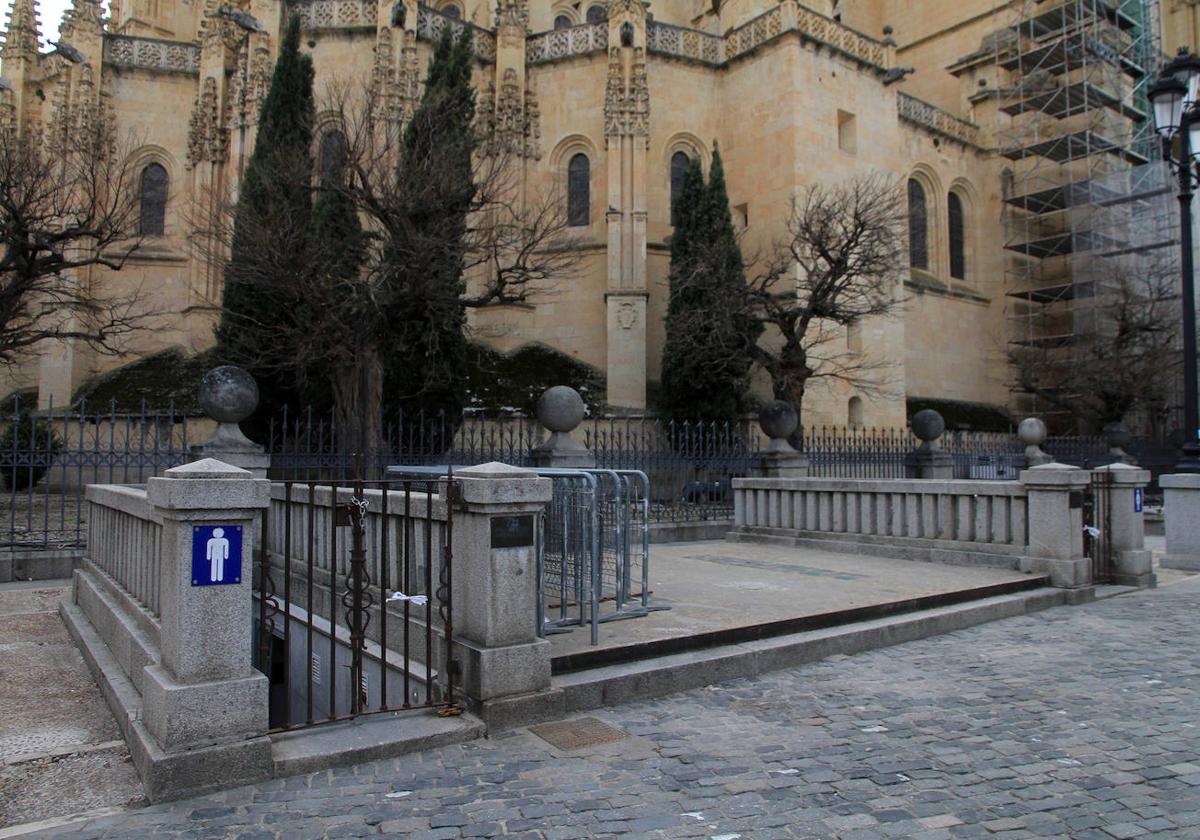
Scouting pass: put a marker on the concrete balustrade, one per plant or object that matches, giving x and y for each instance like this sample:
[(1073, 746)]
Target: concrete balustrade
[(981, 521), (125, 540), (1034, 525)]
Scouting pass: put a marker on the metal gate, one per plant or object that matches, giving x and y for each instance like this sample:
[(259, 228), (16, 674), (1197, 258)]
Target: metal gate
[(354, 591), (1097, 526)]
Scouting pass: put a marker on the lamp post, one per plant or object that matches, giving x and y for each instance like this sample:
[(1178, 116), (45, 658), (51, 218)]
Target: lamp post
[(1173, 99)]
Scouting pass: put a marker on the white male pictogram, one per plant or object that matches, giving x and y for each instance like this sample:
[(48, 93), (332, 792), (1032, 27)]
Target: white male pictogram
[(217, 552)]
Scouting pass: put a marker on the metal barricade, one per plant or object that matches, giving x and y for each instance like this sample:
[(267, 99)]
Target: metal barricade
[(592, 546)]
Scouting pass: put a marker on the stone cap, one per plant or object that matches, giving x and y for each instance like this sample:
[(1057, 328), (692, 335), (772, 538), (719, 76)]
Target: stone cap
[(1055, 475), (495, 469), (504, 486), (207, 468), (1180, 481), (1126, 474), (208, 485)]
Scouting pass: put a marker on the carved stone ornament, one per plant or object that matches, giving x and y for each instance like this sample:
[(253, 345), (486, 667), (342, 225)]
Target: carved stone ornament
[(627, 315), (207, 138)]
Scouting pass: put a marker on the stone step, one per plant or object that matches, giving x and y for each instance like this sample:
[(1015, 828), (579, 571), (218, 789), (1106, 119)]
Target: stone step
[(646, 678), (368, 738)]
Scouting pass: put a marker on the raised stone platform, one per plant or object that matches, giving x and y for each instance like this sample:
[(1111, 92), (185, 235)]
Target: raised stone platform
[(721, 590)]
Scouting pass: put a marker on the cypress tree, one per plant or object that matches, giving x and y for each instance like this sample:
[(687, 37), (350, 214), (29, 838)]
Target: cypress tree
[(426, 364), (709, 330), (271, 230)]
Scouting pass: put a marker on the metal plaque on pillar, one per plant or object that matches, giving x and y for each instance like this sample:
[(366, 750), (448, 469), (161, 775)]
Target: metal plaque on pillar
[(512, 531), (216, 555)]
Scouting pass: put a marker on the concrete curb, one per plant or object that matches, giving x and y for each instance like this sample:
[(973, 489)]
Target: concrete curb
[(368, 738), (627, 682)]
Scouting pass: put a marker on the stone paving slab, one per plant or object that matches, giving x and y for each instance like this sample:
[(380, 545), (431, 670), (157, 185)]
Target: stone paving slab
[(1079, 722), (716, 585), (60, 749)]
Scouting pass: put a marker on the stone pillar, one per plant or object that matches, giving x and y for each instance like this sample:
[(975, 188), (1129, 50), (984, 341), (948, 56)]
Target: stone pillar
[(778, 420), (204, 702), (1032, 433), (229, 395), (560, 409), (1181, 514), (928, 460), (1055, 497), (1127, 530), (505, 666)]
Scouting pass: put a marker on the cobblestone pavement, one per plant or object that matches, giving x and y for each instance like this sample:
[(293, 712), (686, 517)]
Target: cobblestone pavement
[(1078, 722)]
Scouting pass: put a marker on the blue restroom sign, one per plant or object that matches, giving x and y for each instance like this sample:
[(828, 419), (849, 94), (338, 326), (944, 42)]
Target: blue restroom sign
[(216, 554)]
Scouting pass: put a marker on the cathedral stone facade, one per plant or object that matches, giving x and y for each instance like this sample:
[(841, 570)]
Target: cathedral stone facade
[(604, 99)]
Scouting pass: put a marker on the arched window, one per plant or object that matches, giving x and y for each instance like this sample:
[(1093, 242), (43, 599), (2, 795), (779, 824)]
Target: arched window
[(153, 200), (331, 159), (596, 14), (958, 235), (451, 11), (679, 167), (854, 411), (562, 22), (918, 226), (579, 190), (627, 34)]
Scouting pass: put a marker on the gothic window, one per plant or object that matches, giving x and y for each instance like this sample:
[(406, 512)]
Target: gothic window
[(331, 157), (918, 226), (562, 22), (596, 14), (626, 34), (153, 200), (451, 11), (958, 250), (579, 188), (679, 166)]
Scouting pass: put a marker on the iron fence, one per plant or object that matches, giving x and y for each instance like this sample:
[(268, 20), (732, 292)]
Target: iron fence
[(47, 458)]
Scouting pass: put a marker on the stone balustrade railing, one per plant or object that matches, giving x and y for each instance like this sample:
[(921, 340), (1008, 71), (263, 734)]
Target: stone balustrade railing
[(334, 14), (976, 518), (754, 32), (930, 117), (431, 23), (151, 54), (356, 14), (681, 42), (832, 34), (301, 517), (564, 43), (125, 540)]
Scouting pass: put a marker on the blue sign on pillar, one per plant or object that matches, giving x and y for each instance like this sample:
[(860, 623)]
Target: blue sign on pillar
[(216, 554), (1137, 500)]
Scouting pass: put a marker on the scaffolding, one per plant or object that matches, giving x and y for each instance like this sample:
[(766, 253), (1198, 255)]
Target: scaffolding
[(1087, 202)]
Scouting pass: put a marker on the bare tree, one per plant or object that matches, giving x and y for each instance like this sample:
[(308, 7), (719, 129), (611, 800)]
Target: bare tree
[(1123, 356), (67, 205), (838, 265)]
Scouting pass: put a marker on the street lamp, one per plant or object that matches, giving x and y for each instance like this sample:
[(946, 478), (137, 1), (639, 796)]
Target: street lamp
[(1174, 102)]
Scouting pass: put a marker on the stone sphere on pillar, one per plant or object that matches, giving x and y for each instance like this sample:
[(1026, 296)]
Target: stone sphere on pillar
[(1116, 435), (228, 394), (1032, 431), (778, 419), (560, 409), (928, 425)]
